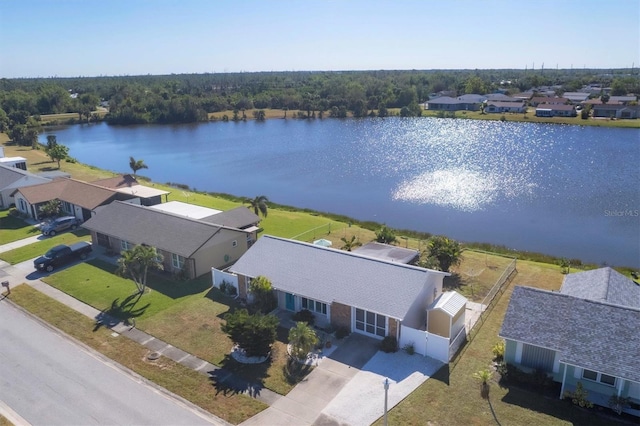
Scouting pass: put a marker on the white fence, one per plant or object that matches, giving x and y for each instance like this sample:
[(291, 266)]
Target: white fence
[(218, 276), (428, 344)]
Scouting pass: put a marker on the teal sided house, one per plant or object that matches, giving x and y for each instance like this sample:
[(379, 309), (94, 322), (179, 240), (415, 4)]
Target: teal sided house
[(587, 332)]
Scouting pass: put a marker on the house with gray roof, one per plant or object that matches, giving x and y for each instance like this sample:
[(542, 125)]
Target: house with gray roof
[(554, 110), (12, 178), (581, 334), (365, 294), (501, 107), (187, 245), (468, 102), (615, 111)]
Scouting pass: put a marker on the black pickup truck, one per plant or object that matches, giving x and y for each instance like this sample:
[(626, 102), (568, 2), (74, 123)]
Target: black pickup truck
[(61, 255)]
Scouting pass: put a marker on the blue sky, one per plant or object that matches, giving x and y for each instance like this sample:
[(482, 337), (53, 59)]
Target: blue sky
[(43, 38)]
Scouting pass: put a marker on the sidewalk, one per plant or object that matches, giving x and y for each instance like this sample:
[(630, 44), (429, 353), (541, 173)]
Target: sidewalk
[(17, 275)]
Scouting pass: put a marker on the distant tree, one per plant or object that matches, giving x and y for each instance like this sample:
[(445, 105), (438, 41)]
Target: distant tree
[(52, 142), (264, 299), (385, 235), (382, 111), (136, 165), (258, 204), (351, 243), (259, 115), (618, 88), (136, 262), (285, 109), (565, 265), (252, 333), (604, 98), (302, 339), (58, 152), (447, 251)]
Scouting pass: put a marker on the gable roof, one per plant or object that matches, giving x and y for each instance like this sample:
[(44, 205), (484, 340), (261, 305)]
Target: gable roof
[(501, 104), (240, 217), (10, 175), (472, 98), (588, 334), (450, 302), (142, 225), (603, 285), (83, 194), (501, 97), (329, 275)]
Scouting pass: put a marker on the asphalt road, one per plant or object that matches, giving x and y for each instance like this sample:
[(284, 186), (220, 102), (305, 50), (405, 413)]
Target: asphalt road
[(49, 380)]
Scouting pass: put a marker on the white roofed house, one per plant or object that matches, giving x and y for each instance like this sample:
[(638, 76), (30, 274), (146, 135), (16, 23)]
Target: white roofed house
[(367, 295)]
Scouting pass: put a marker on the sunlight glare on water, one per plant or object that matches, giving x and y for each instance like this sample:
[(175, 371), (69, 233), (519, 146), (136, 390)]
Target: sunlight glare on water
[(461, 169)]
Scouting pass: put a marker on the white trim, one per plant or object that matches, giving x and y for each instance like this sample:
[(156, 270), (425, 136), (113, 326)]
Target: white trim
[(518, 352), (556, 362)]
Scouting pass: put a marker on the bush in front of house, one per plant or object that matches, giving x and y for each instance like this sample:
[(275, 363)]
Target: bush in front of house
[(252, 333), (389, 344), (305, 316)]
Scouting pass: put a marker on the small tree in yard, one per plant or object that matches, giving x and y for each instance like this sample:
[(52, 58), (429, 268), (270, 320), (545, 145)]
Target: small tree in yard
[(50, 208), (58, 152), (302, 339), (263, 298), (447, 251), (136, 262), (484, 376), (252, 333), (385, 235), (350, 243)]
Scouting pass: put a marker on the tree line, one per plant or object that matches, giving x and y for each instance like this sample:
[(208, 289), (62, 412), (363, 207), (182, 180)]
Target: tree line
[(188, 98)]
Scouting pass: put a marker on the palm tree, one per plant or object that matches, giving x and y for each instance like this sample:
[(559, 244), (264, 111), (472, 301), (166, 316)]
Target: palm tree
[(302, 339), (136, 262), (136, 165), (447, 251), (351, 243), (484, 376), (258, 204)]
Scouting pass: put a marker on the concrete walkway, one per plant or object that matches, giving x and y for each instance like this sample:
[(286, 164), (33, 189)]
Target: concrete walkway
[(25, 273)]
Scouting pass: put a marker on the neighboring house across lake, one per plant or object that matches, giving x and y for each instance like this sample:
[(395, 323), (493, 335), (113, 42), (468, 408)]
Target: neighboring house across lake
[(12, 178), (374, 296), (188, 245), (469, 102), (615, 111), (77, 198), (587, 332), (498, 107), (552, 110)]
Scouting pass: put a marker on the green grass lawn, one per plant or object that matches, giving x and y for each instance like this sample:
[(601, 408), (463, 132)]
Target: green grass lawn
[(30, 251), (185, 314), (193, 386), (13, 228), (453, 397)]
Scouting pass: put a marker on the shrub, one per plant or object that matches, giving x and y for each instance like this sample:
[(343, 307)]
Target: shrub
[(305, 316), (618, 403), (409, 348), (389, 344), (385, 235), (264, 298), (302, 339), (498, 351), (342, 332), (253, 333), (579, 397)]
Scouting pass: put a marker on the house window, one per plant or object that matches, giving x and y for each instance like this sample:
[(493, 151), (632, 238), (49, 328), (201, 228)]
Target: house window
[(314, 306), (67, 207), (177, 261), (125, 245), (234, 243), (371, 323), (599, 377)]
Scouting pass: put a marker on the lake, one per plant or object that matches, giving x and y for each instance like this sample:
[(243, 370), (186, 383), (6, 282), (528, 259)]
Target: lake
[(569, 191)]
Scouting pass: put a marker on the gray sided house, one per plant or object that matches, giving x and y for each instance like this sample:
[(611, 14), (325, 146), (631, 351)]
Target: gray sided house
[(12, 178), (615, 111), (587, 333), (366, 295), (187, 245), (469, 102), (501, 107)]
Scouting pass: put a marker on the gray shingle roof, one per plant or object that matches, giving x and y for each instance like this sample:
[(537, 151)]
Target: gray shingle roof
[(10, 175), (589, 334), (328, 275), (604, 285), (142, 225)]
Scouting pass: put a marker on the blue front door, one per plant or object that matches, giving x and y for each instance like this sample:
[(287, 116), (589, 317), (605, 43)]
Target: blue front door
[(290, 302)]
